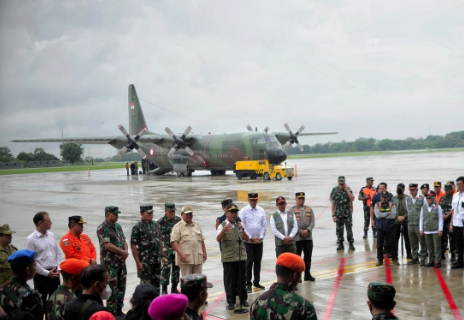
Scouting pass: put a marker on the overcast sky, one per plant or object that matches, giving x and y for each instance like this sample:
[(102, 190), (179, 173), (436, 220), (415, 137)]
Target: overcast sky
[(382, 69)]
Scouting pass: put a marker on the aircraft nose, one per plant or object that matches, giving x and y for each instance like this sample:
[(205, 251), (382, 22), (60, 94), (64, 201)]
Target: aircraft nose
[(276, 156)]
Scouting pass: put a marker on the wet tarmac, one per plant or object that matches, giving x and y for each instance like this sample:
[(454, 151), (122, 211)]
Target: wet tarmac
[(339, 291)]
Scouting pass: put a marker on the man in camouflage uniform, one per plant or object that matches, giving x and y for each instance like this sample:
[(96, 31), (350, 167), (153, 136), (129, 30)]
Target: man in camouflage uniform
[(342, 212), (280, 302), (381, 300), (17, 295), (6, 249), (147, 248), (446, 206), (365, 195), (113, 255), (195, 288), (71, 270), (169, 255)]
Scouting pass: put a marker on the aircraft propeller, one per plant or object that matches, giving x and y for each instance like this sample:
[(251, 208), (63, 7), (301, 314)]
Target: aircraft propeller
[(293, 137), (132, 142), (179, 141)]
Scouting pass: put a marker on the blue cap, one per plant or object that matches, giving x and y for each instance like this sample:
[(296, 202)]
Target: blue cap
[(22, 256)]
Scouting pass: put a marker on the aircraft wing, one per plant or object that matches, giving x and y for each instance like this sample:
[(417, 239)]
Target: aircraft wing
[(316, 133), (94, 140), (283, 137)]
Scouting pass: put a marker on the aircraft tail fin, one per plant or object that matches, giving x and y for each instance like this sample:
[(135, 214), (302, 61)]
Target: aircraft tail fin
[(136, 117)]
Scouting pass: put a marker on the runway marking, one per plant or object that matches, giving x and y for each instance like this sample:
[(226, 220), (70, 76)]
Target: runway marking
[(333, 294), (448, 295), (388, 275), (214, 304), (323, 210)]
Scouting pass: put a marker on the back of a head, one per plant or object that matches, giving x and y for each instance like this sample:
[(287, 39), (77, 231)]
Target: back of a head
[(381, 295), (141, 299), (91, 274), (102, 315)]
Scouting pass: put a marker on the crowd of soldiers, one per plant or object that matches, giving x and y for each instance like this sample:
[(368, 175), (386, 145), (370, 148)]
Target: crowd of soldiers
[(173, 245)]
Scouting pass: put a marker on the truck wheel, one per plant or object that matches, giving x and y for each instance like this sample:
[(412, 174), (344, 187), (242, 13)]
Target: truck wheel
[(278, 176), (289, 178), (239, 176), (266, 176)]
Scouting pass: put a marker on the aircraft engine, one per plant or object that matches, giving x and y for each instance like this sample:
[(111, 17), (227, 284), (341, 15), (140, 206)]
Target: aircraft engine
[(293, 137), (179, 142), (132, 142)]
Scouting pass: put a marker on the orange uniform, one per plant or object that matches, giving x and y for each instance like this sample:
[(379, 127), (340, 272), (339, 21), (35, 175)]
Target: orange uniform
[(439, 195), (78, 247)]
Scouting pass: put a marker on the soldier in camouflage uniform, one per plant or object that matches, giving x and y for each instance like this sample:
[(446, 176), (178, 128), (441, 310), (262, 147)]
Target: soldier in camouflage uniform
[(169, 255), (6, 250), (446, 206), (17, 295), (280, 302), (381, 300), (147, 248), (195, 287), (71, 270), (342, 212), (113, 255)]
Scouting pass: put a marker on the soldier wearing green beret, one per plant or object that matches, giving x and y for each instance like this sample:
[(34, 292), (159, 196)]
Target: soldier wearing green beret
[(6, 249), (113, 255), (169, 255), (147, 247), (195, 287), (381, 300)]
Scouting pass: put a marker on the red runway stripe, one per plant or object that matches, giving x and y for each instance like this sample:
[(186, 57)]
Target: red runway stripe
[(447, 293), (333, 294), (388, 274), (213, 305), (323, 210)]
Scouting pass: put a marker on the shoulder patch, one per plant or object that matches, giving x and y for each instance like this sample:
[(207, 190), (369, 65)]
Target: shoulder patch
[(66, 242)]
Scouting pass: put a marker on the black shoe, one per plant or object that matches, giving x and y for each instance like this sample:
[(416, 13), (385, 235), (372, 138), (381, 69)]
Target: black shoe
[(351, 246), (245, 303), (438, 265), (310, 278), (301, 281), (249, 288), (430, 264), (119, 313), (365, 235), (453, 257), (409, 257), (442, 256), (340, 246), (164, 290), (295, 289), (457, 266), (257, 285), (413, 261), (389, 255), (231, 306)]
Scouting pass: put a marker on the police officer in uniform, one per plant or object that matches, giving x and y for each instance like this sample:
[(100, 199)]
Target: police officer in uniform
[(147, 248), (6, 250), (232, 234), (17, 295), (446, 205), (76, 244), (381, 300), (169, 255), (304, 216), (365, 195), (113, 255)]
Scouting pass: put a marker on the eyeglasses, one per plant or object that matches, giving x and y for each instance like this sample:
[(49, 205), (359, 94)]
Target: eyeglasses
[(428, 198)]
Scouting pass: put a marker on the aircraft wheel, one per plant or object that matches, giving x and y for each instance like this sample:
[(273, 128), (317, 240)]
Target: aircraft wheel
[(278, 176), (221, 172), (189, 174), (179, 174), (289, 178), (266, 176), (239, 176)]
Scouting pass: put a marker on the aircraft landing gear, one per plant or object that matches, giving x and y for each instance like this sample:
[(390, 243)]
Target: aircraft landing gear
[(218, 172)]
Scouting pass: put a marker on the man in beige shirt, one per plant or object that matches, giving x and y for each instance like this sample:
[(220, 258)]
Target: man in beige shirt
[(189, 243)]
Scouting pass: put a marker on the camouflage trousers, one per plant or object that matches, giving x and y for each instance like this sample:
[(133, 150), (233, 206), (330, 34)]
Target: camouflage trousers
[(151, 273), (444, 239), (367, 219), (117, 284), (347, 222), (166, 271)]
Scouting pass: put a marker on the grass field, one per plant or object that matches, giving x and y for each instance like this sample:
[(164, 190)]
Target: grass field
[(97, 166), (369, 153)]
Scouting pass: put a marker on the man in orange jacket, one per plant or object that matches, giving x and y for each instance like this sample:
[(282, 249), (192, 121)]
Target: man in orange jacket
[(76, 244)]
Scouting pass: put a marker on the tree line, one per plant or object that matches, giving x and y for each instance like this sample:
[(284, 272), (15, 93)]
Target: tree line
[(69, 152), (450, 140)]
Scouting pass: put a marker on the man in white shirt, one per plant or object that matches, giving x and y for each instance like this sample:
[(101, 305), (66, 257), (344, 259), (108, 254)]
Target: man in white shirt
[(254, 219), (431, 225), (457, 217), (48, 257), (284, 227)]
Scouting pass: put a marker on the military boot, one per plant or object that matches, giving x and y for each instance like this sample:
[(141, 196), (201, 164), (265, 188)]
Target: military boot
[(365, 234), (164, 290), (174, 288), (352, 246), (340, 246), (119, 312)]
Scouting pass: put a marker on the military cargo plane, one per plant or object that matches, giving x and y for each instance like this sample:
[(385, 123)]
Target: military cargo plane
[(183, 154)]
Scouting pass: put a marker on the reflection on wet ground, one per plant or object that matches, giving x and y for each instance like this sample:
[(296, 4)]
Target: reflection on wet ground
[(340, 289)]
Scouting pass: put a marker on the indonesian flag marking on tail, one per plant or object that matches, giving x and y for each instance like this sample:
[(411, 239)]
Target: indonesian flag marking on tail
[(132, 105)]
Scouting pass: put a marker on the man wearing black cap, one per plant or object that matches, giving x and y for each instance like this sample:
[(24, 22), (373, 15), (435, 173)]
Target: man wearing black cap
[(304, 216), (17, 295), (365, 195), (113, 255), (195, 287), (425, 188), (233, 256), (400, 201), (76, 244), (415, 203), (284, 227), (254, 219), (431, 225), (221, 219), (384, 219), (446, 204), (381, 300), (147, 248), (454, 186)]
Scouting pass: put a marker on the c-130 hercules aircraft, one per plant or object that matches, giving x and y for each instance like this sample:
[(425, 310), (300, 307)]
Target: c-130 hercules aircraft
[(183, 154)]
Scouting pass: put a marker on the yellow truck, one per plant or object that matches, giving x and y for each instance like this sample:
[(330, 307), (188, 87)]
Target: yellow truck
[(262, 168)]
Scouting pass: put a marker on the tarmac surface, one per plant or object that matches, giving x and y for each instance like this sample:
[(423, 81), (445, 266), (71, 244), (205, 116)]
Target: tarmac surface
[(339, 291)]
